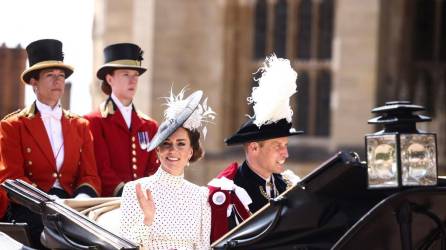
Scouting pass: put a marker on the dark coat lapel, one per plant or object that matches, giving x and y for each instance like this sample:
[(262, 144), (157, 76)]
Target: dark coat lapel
[(252, 183), (136, 122), (280, 183)]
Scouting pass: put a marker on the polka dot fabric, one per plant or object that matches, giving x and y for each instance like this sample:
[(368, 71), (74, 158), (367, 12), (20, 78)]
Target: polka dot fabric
[(182, 216)]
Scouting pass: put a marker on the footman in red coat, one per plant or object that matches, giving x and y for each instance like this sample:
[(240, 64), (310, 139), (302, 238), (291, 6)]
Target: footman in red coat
[(43, 144), (121, 133)]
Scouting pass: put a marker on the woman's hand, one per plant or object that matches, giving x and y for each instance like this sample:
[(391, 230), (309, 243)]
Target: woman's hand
[(146, 204)]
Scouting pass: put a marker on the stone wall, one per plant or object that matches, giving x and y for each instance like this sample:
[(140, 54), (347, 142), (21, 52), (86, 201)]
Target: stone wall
[(12, 90)]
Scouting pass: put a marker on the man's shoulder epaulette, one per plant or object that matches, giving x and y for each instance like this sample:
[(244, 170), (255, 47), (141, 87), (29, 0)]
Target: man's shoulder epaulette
[(144, 116), (69, 114), (12, 114), (290, 178), (107, 108)]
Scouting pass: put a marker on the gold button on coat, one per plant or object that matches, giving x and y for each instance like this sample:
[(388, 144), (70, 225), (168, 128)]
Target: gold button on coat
[(55, 175), (30, 163), (28, 150), (134, 176), (135, 167)]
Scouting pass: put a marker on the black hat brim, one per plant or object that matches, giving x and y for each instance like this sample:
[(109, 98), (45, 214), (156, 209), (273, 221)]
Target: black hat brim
[(168, 127), (250, 132), (109, 67), (26, 75)]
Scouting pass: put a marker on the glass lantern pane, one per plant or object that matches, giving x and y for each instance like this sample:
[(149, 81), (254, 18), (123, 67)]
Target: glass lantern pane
[(418, 159), (382, 161)]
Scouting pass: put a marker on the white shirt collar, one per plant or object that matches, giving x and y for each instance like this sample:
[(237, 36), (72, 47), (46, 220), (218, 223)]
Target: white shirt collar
[(270, 179), (120, 105), (126, 111), (46, 110)]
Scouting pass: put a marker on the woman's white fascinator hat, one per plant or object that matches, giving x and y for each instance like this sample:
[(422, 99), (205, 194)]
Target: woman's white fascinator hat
[(186, 112)]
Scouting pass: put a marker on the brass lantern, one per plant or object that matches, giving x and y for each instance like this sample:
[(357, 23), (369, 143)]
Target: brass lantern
[(400, 155)]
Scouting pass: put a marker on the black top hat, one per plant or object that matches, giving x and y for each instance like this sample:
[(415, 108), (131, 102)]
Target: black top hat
[(42, 54), (121, 56), (250, 132), (169, 126)]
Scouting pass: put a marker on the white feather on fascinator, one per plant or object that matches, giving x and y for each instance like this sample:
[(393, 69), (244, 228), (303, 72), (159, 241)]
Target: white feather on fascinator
[(202, 114), (271, 98)]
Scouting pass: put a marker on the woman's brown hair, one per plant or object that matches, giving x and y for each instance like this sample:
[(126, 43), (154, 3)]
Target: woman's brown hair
[(194, 137), (105, 86)]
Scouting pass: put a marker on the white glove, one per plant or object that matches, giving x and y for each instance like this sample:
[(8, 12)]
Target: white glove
[(57, 199), (291, 176), (82, 196)]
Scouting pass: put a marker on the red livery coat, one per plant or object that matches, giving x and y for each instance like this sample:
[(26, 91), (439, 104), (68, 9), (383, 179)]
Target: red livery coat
[(25, 153), (119, 155), (219, 221)]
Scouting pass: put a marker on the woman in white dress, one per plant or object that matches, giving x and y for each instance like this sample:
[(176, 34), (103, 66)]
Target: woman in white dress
[(165, 211)]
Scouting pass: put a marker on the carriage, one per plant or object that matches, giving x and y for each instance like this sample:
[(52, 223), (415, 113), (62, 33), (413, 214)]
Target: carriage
[(331, 208)]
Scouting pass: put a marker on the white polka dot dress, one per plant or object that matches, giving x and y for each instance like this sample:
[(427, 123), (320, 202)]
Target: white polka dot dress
[(182, 216)]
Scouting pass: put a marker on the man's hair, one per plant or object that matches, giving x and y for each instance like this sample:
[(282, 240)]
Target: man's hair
[(245, 145), (35, 74)]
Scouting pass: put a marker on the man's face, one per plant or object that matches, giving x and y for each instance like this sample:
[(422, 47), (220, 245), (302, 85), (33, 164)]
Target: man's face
[(50, 86), (123, 83), (271, 155)]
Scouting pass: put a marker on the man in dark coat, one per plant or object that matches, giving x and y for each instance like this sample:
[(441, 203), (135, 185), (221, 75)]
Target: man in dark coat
[(240, 190)]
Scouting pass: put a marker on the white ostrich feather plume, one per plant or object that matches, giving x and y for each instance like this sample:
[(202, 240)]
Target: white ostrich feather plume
[(202, 114), (271, 98)]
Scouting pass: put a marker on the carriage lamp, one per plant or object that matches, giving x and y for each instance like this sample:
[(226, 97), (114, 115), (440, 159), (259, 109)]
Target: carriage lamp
[(400, 155)]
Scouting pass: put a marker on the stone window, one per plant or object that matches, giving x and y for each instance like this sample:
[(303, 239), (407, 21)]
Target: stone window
[(302, 31), (428, 61)]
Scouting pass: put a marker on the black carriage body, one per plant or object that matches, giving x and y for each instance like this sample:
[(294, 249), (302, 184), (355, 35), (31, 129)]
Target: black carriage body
[(332, 208), (64, 227)]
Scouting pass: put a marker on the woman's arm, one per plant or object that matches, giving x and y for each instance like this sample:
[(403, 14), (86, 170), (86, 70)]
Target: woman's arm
[(132, 217)]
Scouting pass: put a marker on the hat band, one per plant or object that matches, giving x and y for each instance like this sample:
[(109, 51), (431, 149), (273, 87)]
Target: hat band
[(126, 62), (46, 62)]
